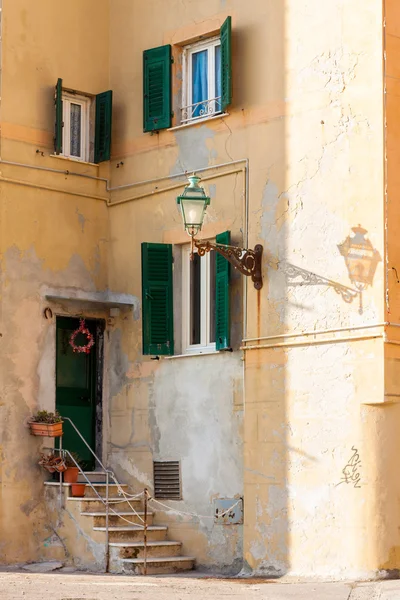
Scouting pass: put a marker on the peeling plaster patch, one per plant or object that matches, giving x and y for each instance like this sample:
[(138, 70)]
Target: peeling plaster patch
[(187, 424), (29, 507), (257, 549), (274, 240), (127, 465), (82, 219), (277, 500), (193, 150), (118, 364), (97, 550), (46, 371), (212, 190)]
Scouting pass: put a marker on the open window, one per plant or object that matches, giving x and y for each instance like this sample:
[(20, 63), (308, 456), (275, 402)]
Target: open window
[(204, 301), (201, 80), (198, 302), (206, 81), (82, 125)]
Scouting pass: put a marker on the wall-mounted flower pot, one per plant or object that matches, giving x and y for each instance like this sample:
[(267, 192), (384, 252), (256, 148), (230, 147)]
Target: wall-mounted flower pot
[(60, 466), (78, 490), (53, 464), (71, 475), (46, 429)]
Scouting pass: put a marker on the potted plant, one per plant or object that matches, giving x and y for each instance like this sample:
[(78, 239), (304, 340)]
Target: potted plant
[(78, 490), (72, 472), (52, 463), (46, 424)]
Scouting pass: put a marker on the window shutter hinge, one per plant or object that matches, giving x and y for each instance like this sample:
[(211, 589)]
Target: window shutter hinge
[(172, 60), (172, 113)]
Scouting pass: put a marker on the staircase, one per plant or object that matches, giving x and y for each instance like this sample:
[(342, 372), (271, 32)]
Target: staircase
[(85, 522)]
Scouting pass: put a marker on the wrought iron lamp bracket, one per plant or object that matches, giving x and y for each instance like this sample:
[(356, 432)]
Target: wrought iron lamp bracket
[(247, 261)]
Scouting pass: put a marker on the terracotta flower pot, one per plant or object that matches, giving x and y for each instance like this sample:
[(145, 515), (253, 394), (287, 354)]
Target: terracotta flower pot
[(57, 464), (46, 429), (78, 490), (71, 475), (60, 465)]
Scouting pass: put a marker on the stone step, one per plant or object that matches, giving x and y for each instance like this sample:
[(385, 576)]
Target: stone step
[(158, 566), (93, 476), (133, 533), (154, 549), (100, 488), (95, 505), (122, 518)]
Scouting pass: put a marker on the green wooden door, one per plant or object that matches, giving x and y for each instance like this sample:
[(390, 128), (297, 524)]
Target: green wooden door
[(76, 388)]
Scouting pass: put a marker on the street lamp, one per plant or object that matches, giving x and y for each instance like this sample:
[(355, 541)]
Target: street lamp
[(193, 203)]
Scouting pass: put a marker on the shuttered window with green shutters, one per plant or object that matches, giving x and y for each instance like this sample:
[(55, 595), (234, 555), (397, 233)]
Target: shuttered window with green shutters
[(226, 64), (157, 88), (157, 306), (59, 118), (102, 138), (222, 312), (72, 125)]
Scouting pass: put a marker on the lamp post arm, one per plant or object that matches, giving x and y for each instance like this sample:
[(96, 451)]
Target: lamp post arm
[(247, 261)]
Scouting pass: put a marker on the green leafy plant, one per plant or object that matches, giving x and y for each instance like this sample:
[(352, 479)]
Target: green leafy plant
[(43, 416), (70, 463)]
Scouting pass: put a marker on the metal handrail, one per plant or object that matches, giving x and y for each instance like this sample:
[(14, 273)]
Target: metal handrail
[(87, 445), (64, 452), (108, 473)]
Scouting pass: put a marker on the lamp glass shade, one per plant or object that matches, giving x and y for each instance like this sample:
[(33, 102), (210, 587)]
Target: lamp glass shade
[(193, 203), (193, 214)]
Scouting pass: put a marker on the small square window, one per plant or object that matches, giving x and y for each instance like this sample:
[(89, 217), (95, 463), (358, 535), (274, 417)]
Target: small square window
[(75, 131), (201, 80), (198, 287)]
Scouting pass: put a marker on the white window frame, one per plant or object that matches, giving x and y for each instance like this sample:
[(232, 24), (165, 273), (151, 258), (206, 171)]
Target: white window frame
[(209, 44), (205, 311), (84, 102)]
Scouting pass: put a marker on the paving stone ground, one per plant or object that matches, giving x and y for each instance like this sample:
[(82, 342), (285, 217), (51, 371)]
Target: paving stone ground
[(81, 586)]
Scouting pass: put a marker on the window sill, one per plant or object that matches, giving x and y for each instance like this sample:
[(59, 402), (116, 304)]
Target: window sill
[(74, 160), (189, 354), (193, 123)]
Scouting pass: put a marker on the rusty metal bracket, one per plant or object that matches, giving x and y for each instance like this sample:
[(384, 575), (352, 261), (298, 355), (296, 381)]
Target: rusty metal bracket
[(247, 261)]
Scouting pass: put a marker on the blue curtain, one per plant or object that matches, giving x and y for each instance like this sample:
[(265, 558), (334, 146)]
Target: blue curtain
[(218, 90), (199, 81)]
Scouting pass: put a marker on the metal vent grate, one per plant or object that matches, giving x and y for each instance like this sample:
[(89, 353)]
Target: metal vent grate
[(167, 480)]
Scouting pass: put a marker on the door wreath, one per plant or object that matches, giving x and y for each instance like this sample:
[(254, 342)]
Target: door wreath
[(84, 331)]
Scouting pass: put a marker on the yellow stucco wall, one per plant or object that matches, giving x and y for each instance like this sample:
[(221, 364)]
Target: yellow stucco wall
[(47, 238)]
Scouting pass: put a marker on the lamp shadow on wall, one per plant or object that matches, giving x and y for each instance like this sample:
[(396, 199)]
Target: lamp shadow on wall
[(361, 260)]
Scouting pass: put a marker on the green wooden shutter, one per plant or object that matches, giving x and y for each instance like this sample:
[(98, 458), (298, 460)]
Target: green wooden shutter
[(222, 276), (59, 118), (226, 64), (157, 307), (102, 136), (157, 88)]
